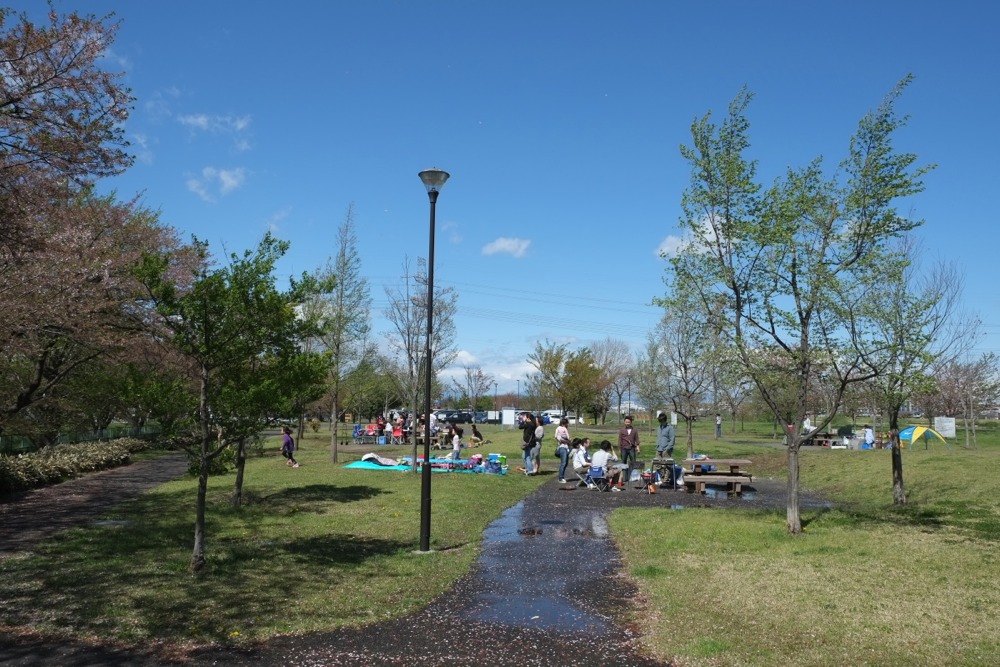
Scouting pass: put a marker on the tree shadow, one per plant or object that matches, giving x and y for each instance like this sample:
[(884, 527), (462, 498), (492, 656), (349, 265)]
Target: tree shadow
[(334, 549), (324, 492)]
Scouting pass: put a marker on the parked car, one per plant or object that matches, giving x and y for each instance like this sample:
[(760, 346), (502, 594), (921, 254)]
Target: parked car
[(455, 416), (480, 417)]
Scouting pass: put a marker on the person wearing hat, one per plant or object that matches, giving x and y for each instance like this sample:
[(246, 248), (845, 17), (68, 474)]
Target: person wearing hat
[(664, 437)]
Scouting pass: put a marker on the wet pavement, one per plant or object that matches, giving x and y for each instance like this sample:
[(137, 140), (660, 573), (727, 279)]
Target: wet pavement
[(546, 590)]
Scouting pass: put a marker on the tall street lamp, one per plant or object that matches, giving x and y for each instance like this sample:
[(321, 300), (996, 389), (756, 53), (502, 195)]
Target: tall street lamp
[(433, 179)]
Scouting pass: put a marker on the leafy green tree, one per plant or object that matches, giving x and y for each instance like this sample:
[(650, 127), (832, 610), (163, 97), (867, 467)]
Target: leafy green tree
[(549, 359), (780, 270), (584, 383), (229, 321)]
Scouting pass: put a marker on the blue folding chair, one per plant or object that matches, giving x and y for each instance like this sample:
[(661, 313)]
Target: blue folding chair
[(598, 477)]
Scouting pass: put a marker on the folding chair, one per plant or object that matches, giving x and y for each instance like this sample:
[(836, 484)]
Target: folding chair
[(599, 478), (358, 433), (397, 436), (584, 478)]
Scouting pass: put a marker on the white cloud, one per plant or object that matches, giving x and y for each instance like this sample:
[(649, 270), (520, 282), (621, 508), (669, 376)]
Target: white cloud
[(211, 180), (231, 179), (465, 358), (513, 247), (116, 58), (225, 125), (197, 121), (200, 121), (140, 143), (452, 230), (272, 223), (669, 246)]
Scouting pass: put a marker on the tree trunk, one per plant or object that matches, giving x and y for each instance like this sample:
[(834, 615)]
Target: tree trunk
[(689, 423), (241, 463), (792, 510), (898, 491), (335, 426), (198, 554)]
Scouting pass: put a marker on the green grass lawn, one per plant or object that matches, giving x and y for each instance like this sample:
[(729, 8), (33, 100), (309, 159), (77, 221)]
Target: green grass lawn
[(320, 546), (313, 548), (866, 584)]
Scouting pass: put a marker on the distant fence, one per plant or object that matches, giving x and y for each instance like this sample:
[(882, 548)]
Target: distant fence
[(17, 444)]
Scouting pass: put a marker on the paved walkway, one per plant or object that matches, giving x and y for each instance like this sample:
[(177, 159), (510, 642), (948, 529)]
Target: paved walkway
[(30, 516), (548, 582)]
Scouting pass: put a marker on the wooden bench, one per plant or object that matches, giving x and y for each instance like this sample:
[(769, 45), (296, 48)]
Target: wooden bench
[(696, 483)]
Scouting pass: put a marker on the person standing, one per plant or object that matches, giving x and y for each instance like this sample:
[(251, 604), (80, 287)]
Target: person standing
[(718, 426), (628, 442), (288, 447), (869, 437), (536, 452), (528, 444), (664, 437), (563, 442), (456, 442)]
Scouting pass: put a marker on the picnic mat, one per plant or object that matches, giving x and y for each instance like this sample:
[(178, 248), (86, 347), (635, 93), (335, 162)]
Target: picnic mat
[(367, 465)]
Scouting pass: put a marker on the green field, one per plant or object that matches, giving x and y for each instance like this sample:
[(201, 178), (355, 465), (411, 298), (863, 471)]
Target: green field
[(865, 584), (319, 546)]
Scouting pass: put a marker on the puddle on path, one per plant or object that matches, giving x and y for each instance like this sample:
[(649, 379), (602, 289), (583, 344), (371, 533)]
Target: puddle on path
[(532, 566)]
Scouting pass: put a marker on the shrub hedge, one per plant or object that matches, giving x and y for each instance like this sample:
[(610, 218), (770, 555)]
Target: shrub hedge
[(52, 465)]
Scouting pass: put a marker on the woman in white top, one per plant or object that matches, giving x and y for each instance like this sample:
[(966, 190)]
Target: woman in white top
[(563, 442), (581, 458)]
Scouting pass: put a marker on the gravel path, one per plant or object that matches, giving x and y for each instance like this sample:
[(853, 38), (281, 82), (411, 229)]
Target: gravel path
[(547, 584)]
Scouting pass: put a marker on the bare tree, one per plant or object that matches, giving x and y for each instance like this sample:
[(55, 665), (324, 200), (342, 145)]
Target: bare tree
[(407, 312), (344, 315), (916, 325), (473, 384), (614, 359), (684, 343)]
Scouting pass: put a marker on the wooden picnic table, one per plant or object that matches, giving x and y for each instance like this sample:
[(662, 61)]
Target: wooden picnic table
[(823, 439), (702, 466), (712, 471)]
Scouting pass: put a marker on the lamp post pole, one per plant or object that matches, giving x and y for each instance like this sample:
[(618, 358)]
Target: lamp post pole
[(433, 180)]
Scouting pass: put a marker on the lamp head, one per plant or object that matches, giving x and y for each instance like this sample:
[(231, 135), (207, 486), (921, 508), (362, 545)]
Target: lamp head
[(434, 179)]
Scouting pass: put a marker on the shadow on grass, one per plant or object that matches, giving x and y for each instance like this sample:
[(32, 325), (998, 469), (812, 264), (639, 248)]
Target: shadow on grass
[(329, 550), (80, 586), (323, 493)]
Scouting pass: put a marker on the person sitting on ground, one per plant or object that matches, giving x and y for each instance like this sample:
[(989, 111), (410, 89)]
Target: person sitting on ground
[(581, 458), (602, 459), (476, 438)]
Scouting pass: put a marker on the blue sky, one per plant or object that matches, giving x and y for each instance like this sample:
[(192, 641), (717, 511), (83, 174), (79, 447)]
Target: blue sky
[(559, 122)]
